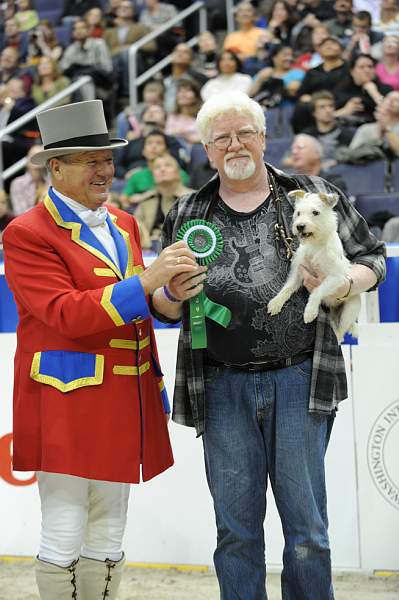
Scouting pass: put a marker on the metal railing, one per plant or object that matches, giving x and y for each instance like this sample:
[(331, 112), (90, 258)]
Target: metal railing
[(18, 123), (230, 11), (134, 80)]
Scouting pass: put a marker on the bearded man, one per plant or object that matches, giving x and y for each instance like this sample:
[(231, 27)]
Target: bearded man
[(264, 391)]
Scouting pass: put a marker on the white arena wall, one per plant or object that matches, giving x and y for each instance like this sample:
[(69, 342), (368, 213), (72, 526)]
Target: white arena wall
[(171, 517)]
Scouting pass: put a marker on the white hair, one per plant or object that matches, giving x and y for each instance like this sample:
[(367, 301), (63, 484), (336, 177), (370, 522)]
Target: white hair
[(218, 105), (314, 141)]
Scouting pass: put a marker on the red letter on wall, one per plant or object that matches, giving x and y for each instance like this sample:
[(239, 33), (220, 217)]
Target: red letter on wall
[(6, 471)]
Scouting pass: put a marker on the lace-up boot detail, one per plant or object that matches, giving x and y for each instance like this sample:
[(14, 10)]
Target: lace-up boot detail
[(100, 580)]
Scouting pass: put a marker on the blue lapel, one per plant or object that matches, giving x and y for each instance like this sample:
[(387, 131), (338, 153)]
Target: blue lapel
[(120, 245), (81, 234)]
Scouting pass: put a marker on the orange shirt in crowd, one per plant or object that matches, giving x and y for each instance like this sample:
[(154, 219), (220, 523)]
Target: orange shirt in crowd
[(243, 43)]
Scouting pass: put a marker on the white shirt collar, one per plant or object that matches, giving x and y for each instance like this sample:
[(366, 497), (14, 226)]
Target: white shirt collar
[(92, 218)]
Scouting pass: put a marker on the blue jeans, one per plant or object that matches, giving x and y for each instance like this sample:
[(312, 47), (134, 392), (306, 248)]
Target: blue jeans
[(257, 428)]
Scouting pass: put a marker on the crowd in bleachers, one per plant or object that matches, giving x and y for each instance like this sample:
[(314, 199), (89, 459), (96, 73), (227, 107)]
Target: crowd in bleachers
[(326, 73)]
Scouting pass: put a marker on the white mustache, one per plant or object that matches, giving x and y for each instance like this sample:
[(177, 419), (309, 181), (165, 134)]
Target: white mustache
[(237, 155)]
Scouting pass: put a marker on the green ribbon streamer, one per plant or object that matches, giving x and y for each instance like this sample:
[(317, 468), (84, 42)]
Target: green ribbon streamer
[(206, 248), (200, 307)]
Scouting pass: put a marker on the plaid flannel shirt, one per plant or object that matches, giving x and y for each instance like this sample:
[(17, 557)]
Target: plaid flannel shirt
[(328, 381)]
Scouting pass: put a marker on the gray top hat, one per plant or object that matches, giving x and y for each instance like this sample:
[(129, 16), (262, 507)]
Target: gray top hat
[(77, 127)]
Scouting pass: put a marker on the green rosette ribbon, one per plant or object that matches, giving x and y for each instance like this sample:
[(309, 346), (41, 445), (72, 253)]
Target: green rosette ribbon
[(205, 241)]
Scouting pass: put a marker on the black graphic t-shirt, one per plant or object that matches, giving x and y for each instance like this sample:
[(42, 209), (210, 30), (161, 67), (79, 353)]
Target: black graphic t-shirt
[(247, 274)]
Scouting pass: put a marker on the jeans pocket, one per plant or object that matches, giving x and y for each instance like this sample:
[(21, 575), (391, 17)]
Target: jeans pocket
[(304, 368)]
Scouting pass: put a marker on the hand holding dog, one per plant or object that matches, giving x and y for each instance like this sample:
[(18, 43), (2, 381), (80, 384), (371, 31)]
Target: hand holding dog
[(313, 280)]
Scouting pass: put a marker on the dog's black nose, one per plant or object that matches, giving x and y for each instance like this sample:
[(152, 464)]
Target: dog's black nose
[(300, 227)]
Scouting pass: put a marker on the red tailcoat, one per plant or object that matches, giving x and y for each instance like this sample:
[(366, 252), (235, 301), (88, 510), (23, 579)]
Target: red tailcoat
[(88, 392)]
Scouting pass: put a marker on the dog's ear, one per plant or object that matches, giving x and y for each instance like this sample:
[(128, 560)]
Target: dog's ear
[(296, 195), (330, 199)]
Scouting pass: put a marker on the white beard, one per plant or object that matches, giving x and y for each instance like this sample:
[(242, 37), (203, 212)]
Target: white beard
[(239, 169)]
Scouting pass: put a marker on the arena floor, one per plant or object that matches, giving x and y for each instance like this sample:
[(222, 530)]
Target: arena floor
[(17, 582)]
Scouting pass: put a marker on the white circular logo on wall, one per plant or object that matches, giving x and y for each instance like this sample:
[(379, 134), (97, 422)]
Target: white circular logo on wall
[(382, 456)]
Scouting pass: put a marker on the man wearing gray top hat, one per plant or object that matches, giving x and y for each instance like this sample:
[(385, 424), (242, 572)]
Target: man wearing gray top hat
[(90, 408)]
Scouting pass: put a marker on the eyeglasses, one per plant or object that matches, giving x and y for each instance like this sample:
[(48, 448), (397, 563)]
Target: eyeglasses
[(222, 142)]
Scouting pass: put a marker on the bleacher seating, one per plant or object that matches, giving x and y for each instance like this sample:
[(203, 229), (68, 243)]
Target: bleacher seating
[(63, 34), (198, 157), (363, 179), (50, 10), (276, 150), (278, 122), (395, 175), (367, 204)]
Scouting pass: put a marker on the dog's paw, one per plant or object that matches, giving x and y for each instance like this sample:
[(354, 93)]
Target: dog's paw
[(275, 305), (310, 313)]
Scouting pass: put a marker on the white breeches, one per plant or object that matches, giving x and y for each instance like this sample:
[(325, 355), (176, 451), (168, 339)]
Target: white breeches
[(81, 516)]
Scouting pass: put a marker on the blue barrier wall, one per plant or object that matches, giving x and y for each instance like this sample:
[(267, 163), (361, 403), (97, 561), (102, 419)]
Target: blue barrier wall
[(388, 294)]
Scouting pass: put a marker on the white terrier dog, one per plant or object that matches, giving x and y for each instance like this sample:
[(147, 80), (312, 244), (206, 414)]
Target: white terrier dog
[(320, 251)]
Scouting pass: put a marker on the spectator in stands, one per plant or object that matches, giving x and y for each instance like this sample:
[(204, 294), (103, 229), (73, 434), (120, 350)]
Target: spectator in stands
[(324, 77), (156, 13), (363, 39), (95, 22), (114, 200), (125, 30), (206, 56), (388, 22), (10, 69), (110, 16), (43, 42), (261, 59), (88, 56), (181, 122), (387, 70), (312, 59), (132, 155), (14, 103), (328, 73), (311, 15), (307, 155), (331, 132), (78, 8), (230, 77), (151, 211), (277, 85), (29, 189), (361, 85), (26, 17), (118, 38), (341, 25), (5, 214), (181, 68), (390, 232), (14, 38), (153, 15), (142, 180), (49, 81), (384, 133), (318, 10), (7, 10), (129, 121), (243, 41), (281, 19)]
